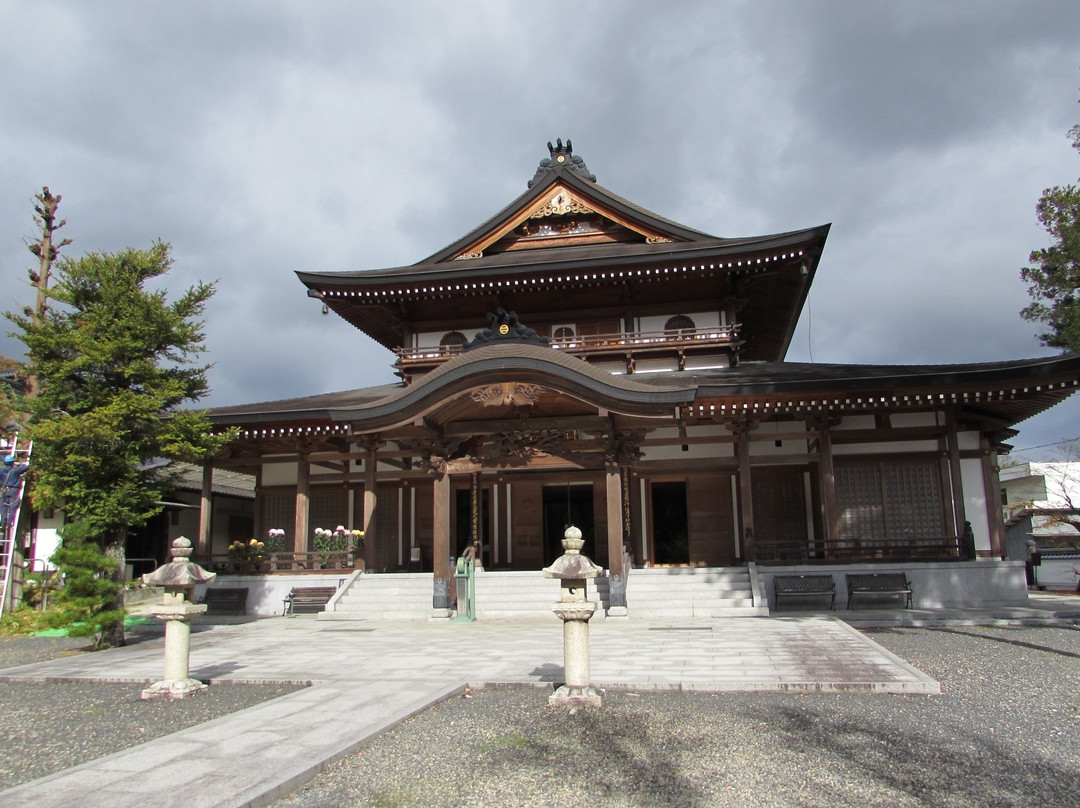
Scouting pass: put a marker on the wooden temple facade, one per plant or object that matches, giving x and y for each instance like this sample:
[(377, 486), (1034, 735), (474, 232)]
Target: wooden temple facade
[(577, 358)]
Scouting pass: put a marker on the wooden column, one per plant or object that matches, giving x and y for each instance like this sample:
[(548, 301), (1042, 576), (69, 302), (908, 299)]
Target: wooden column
[(303, 505), (827, 479), (476, 534), (959, 512), (260, 521), (746, 498), (617, 580), (992, 487), (371, 502), (440, 596), (206, 505)]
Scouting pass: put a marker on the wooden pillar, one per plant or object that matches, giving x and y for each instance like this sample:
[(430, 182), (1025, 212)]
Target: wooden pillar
[(440, 596), (992, 487), (827, 482), (259, 518), (206, 505), (303, 505), (952, 439), (476, 534), (371, 502), (746, 498), (615, 538)]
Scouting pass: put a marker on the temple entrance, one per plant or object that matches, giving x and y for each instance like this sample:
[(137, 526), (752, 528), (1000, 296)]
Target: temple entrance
[(463, 521), (565, 505), (670, 524)]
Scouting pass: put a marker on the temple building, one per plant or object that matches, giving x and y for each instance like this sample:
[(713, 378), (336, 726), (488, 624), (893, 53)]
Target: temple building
[(577, 358)]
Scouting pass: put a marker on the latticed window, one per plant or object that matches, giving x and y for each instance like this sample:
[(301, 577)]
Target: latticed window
[(889, 500), (779, 508), (328, 508), (453, 339), (679, 325), (279, 512)]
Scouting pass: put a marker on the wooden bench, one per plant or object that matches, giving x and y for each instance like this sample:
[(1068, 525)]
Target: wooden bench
[(804, 585), (308, 599), (878, 583), (226, 600)]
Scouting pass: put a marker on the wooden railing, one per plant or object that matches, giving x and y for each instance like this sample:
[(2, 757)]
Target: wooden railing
[(946, 548), (632, 342), (269, 563)]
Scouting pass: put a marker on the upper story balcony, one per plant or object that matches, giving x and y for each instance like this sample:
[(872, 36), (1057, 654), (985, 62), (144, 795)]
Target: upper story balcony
[(628, 348)]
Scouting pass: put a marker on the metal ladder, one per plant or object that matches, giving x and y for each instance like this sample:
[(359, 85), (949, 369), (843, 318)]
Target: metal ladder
[(9, 533)]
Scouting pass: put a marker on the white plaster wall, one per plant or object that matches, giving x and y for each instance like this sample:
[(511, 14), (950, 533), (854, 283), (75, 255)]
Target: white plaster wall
[(975, 501), (892, 447), (266, 593), (1028, 489), (856, 422), (909, 419), (939, 585), (702, 319), (655, 365), (968, 441), (707, 362), (279, 474), (1058, 574)]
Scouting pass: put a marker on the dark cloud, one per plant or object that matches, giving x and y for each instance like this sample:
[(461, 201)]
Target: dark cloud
[(261, 138)]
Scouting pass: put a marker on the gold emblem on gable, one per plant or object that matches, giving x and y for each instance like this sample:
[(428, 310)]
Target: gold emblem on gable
[(508, 394)]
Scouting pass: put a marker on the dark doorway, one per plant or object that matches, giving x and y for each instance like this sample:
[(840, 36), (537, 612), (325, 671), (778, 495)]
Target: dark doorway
[(463, 530), (670, 526), (568, 505)]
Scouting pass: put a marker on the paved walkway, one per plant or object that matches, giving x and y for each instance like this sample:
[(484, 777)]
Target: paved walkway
[(367, 678)]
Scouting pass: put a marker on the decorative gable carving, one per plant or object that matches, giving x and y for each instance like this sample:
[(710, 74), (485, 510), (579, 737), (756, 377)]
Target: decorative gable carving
[(561, 218)]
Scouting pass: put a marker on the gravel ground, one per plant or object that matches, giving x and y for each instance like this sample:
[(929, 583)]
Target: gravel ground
[(52, 726), (1005, 732)]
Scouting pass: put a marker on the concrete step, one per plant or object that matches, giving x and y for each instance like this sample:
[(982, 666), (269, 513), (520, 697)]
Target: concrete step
[(651, 594), (384, 597)]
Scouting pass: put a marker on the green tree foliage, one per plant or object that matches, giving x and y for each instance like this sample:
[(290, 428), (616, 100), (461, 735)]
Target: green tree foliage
[(89, 601), (115, 364), (1054, 275)]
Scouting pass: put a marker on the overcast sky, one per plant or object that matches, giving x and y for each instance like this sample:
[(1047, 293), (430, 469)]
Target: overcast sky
[(261, 138)]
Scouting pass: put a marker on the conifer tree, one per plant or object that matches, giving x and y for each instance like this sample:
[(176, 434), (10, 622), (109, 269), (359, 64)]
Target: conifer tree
[(115, 364), (1054, 275)]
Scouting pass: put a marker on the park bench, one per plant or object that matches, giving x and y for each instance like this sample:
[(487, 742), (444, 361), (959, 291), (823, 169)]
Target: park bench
[(308, 599), (878, 583), (226, 600), (803, 586)]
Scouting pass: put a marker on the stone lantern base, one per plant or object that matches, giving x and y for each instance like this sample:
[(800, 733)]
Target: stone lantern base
[(172, 689), (566, 696)]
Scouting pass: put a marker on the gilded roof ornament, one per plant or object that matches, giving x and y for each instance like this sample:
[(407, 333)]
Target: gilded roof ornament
[(562, 157)]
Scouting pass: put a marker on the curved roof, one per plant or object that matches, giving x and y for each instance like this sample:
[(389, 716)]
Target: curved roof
[(1000, 393)]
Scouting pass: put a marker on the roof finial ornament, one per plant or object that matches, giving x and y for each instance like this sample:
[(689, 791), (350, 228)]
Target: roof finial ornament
[(566, 152), (562, 159)]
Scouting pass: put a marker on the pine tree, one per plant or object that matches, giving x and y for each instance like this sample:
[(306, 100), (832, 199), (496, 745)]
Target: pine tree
[(115, 365), (1054, 275)]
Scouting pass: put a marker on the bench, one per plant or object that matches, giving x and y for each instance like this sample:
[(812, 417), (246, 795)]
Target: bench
[(308, 599), (805, 585), (226, 600), (878, 583)]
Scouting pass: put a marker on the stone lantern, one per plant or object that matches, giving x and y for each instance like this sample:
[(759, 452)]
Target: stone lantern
[(573, 571), (178, 578)]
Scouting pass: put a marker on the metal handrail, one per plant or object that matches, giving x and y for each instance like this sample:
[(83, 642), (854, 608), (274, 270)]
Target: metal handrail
[(631, 340)]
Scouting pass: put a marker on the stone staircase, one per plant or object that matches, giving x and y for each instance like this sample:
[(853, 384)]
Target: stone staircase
[(510, 595), (383, 597), (660, 593), (655, 593)]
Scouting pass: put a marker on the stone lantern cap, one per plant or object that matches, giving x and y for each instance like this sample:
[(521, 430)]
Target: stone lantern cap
[(181, 571), (572, 565)]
